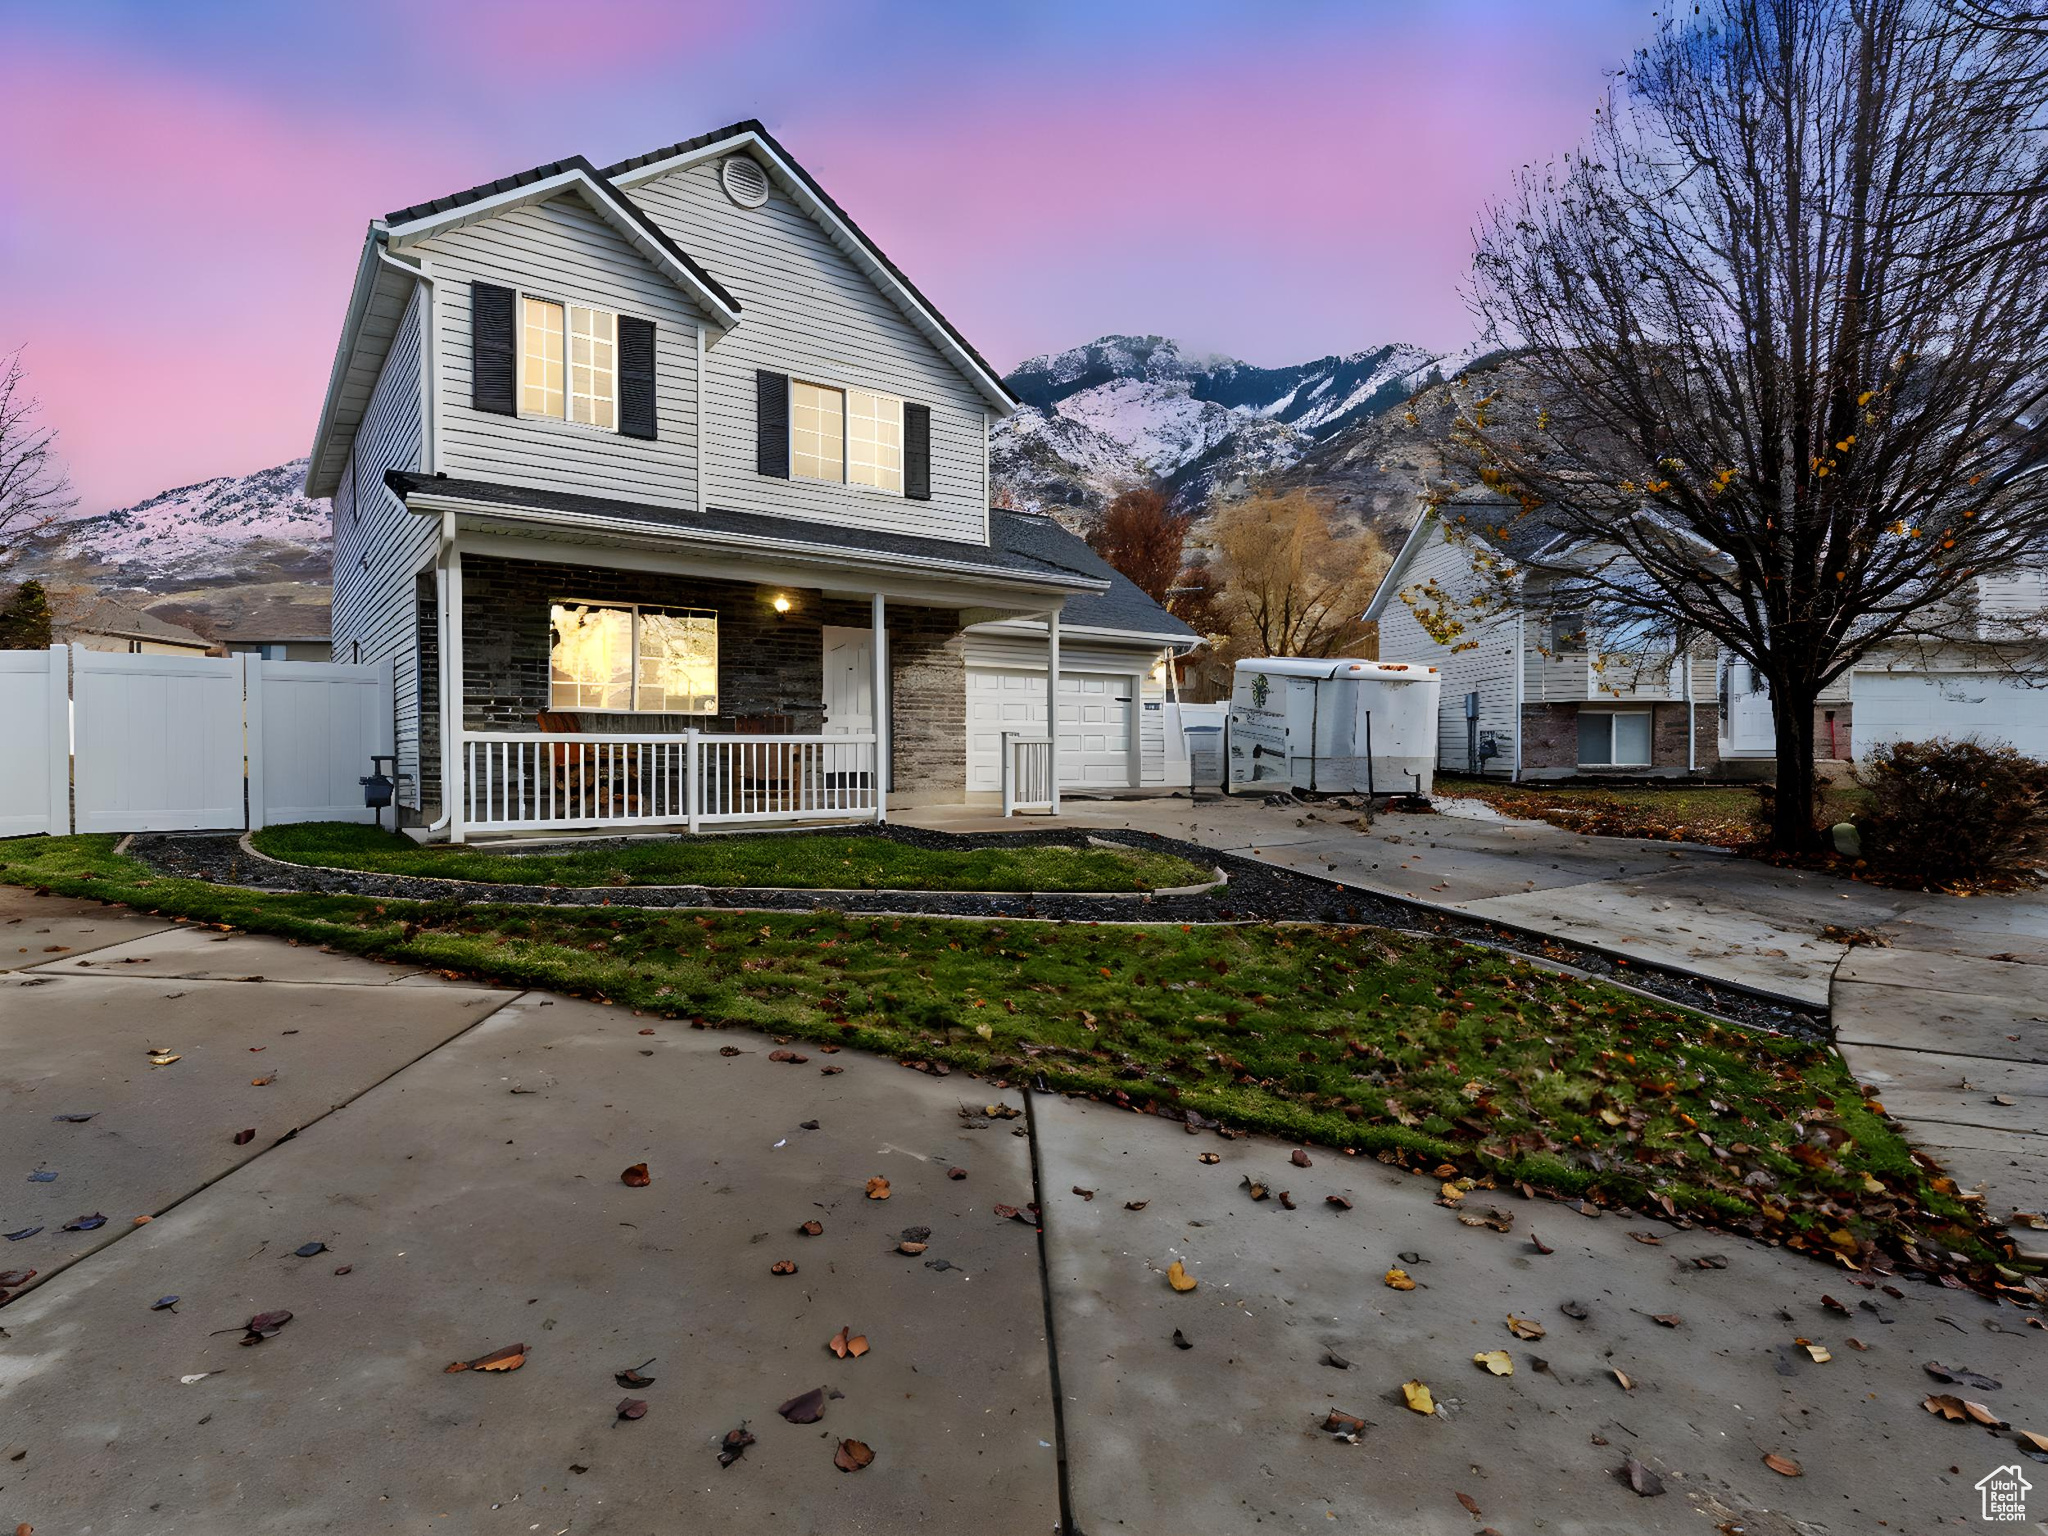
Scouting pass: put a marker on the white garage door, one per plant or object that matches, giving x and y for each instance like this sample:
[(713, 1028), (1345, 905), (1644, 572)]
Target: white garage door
[(1095, 724), (1919, 706)]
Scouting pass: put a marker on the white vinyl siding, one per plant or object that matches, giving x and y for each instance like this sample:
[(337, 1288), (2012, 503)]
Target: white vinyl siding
[(560, 249), (379, 547), (1488, 668), (810, 313)]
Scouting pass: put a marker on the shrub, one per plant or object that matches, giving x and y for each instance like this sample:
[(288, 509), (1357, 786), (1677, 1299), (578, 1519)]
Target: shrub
[(1945, 811)]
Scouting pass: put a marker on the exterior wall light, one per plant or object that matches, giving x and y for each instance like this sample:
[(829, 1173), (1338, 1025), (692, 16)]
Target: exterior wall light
[(781, 603)]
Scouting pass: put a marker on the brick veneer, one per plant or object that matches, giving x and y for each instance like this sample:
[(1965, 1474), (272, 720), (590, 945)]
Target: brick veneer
[(1550, 740), (769, 664)]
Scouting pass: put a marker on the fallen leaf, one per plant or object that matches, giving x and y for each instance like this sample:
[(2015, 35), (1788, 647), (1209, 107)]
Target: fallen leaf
[(782, 1267), (956, 1173), (9, 1278), (243, 1138), (1525, 1327), (1399, 1280), (1650, 1238), (794, 1058), (1950, 1408), (812, 1228), (912, 1249), (1639, 1477), (1085, 1194), (1575, 1310), (1338, 1201), (1710, 1261), (1626, 1384), (1178, 1277), (1471, 1505), (1834, 1306), (2038, 1442), (1496, 1361), (1180, 1340), (848, 1348), (632, 1408), (90, 1223), (264, 1325), (1959, 1376), (1416, 1395), (830, 1071), (1344, 1423), (636, 1177), (851, 1456), (878, 1188), (1256, 1189), (164, 1059), (1286, 1200), (1136, 1205), (1211, 1157), (633, 1376), (257, 1082), (510, 1358), (1856, 1344), (1784, 1466), (1672, 1320), (23, 1234), (307, 1250), (1818, 1352), (73, 1119), (1539, 1245), (805, 1407), (1332, 1358), (163, 1304), (734, 1446), (732, 1050), (1300, 1159)]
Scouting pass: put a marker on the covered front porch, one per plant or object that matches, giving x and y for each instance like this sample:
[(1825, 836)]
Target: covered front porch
[(619, 679)]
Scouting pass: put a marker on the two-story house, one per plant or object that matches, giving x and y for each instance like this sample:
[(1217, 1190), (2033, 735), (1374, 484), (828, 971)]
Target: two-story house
[(1529, 693), (651, 480)]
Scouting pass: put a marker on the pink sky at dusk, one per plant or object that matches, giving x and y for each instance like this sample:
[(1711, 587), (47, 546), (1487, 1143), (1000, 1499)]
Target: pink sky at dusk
[(188, 183)]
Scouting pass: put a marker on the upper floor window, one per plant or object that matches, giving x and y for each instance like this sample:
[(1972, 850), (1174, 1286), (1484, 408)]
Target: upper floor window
[(568, 362), (848, 435)]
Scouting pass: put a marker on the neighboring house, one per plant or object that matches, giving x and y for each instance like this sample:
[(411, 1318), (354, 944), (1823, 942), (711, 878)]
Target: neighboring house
[(95, 623), (661, 448), (287, 632), (1528, 695)]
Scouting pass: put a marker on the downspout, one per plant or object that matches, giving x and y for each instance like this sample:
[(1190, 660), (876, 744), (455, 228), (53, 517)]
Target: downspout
[(1521, 677), (448, 741), (1692, 715), (430, 405)]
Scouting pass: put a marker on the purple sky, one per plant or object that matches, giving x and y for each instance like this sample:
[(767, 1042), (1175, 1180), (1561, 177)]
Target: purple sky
[(187, 181)]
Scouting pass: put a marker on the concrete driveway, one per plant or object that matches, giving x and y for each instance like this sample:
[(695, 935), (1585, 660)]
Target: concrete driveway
[(458, 1152)]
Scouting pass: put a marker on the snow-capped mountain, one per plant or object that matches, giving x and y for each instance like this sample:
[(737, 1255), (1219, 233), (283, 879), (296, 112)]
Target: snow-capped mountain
[(218, 527), (1136, 410)]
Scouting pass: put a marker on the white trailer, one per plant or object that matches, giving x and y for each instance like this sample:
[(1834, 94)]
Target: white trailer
[(1337, 727)]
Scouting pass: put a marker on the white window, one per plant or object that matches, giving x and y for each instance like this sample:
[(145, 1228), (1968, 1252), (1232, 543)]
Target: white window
[(846, 435), (568, 362), (1614, 738), (816, 432), (622, 659), (874, 440)]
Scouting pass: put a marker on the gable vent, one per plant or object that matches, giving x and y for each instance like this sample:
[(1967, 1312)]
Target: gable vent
[(744, 181)]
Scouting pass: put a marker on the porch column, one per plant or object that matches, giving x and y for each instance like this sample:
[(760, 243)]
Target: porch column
[(878, 658), (1052, 705), (454, 757)]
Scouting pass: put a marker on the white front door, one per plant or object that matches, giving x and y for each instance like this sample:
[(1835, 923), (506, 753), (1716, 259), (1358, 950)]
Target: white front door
[(849, 681), (1748, 730)]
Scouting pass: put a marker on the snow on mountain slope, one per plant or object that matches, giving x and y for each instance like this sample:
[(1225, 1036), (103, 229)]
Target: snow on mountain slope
[(1202, 426), (217, 527)]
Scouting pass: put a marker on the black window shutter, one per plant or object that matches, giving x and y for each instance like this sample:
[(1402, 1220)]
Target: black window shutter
[(917, 452), (771, 423), (491, 374), (636, 377)]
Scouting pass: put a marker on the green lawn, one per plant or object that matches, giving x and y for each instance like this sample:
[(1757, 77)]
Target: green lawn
[(811, 860), (1421, 1051)]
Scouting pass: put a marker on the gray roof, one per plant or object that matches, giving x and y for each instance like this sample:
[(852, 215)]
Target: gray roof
[(88, 613), (1123, 607), (767, 528)]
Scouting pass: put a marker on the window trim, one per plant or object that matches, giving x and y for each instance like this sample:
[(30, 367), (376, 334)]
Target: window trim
[(1648, 712), (520, 295), (844, 389), (636, 609)]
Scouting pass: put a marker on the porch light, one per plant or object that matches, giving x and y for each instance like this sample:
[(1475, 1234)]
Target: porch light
[(781, 603)]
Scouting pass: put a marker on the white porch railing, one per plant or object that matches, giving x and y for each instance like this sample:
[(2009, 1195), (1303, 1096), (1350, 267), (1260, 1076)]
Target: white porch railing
[(548, 781), (1027, 773)]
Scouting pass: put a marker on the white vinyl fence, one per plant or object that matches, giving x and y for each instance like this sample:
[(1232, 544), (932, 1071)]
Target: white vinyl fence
[(107, 741)]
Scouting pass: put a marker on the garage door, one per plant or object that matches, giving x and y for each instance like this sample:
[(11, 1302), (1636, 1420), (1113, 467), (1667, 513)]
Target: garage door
[(1919, 706), (1095, 724)]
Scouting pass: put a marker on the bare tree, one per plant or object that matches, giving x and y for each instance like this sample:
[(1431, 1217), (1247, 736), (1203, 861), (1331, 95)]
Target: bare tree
[(1142, 538), (1784, 318), (34, 489), (1289, 585)]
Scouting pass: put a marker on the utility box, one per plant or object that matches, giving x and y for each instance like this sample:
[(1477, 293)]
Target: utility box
[(1338, 727)]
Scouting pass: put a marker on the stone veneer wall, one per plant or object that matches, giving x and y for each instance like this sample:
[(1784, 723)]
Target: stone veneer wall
[(769, 664)]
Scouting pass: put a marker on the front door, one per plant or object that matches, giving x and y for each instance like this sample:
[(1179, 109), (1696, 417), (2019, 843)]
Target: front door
[(849, 681)]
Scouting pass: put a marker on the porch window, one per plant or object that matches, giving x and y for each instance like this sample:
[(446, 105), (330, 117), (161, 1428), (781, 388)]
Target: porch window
[(568, 363), (623, 659), (1614, 738)]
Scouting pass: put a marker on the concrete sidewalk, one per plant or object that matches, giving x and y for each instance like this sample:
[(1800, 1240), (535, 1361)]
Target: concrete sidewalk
[(469, 1198)]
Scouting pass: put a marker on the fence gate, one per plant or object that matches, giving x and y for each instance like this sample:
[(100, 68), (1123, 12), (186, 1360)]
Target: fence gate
[(313, 727), (35, 748), (157, 741)]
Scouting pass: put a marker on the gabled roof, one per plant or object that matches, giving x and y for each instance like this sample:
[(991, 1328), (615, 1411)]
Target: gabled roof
[(422, 221), (1494, 519), (799, 185)]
